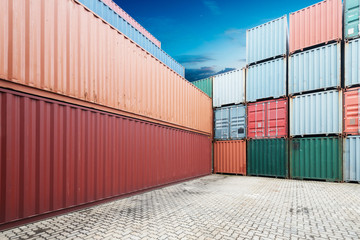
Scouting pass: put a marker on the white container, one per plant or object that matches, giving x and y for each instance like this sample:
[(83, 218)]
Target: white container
[(266, 80), (316, 113), (229, 88), (352, 158), (315, 69), (267, 40)]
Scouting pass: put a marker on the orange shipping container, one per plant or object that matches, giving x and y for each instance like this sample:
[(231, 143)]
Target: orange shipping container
[(352, 111), (60, 47), (230, 157)]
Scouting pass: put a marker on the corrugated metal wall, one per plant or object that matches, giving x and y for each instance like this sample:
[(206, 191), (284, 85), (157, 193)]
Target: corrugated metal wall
[(351, 18), (352, 158), (352, 63), (230, 157), (316, 158), (266, 80), (267, 40), (237, 122), (315, 69), (205, 85), (55, 155), (66, 50), (222, 123), (352, 111), (316, 113), (229, 88)]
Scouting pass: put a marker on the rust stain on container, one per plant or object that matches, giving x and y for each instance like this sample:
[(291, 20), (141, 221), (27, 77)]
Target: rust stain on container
[(60, 47), (230, 157), (55, 155)]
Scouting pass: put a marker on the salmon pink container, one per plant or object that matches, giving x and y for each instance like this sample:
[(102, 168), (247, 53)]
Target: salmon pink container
[(316, 24), (352, 111), (230, 157)]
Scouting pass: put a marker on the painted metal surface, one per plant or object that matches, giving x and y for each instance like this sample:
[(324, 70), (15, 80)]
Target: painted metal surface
[(352, 111), (130, 20), (238, 122), (316, 158), (229, 88), (268, 119), (351, 18), (230, 157), (205, 85), (267, 40), (352, 158), (55, 155), (352, 63), (111, 17), (316, 24), (315, 69), (87, 60), (266, 80), (222, 123), (316, 113), (267, 157)]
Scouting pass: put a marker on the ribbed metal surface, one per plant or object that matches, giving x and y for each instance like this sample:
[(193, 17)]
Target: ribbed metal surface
[(352, 63), (230, 157), (316, 113), (229, 88), (352, 158), (205, 85), (267, 40), (315, 69), (238, 122), (267, 157), (266, 80), (55, 155), (352, 111), (60, 47), (110, 16), (222, 123), (316, 158), (351, 18)]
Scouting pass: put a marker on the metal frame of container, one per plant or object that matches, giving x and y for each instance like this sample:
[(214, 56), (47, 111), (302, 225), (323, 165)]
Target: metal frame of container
[(351, 159), (354, 14), (351, 113), (230, 157), (351, 63), (57, 156), (205, 85)]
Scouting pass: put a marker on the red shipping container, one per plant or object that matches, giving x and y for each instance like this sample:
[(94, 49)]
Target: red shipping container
[(352, 111), (268, 119), (55, 156), (316, 24), (230, 157)]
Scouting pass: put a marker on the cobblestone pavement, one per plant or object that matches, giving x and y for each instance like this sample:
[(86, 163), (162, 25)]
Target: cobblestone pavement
[(215, 207)]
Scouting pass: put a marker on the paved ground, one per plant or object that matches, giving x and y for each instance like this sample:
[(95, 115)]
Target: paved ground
[(215, 207)]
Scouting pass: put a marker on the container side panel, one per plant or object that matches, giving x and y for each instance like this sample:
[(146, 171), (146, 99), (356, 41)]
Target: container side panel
[(352, 111), (352, 159), (230, 157), (352, 61)]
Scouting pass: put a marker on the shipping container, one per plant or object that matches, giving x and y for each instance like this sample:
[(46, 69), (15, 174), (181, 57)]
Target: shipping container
[(267, 40), (266, 80), (318, 158), (268, 119), (124, 15), (316, 113), (90, 61), (316, 24), (237, 122), (352, 63), (351, 18), (205, 85), (111, 17), (267, 157), (352, 159), (230, 157), (222, 123), (229, 88), (352, 111), (315, 69), (56, 155)]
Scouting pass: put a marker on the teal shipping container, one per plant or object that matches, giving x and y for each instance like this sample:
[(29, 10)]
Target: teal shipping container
[(351, 18), (205, 85), (268, 157), (318, 158)]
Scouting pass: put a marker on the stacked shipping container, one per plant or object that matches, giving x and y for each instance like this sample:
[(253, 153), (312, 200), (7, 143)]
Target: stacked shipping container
[(91, 115), (267, 120)]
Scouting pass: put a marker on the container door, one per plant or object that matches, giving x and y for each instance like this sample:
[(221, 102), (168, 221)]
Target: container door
[(351, 18), (222, 123), (237, 122), (276, 119), (256, 120), (352, 112)]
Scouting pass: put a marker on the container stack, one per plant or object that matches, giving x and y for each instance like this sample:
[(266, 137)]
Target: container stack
[(315, 92), (229, 122), (266, 96), (352, 92)]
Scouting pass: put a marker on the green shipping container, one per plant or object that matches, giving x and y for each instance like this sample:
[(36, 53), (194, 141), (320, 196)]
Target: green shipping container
[(317, 158), (351, 19), (268, 157), (205, 85)]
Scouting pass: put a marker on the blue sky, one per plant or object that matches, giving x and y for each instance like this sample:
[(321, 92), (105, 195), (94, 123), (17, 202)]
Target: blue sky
[(206, 36)]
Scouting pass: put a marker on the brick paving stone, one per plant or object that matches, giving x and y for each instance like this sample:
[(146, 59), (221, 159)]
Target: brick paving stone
[(214, 207)]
